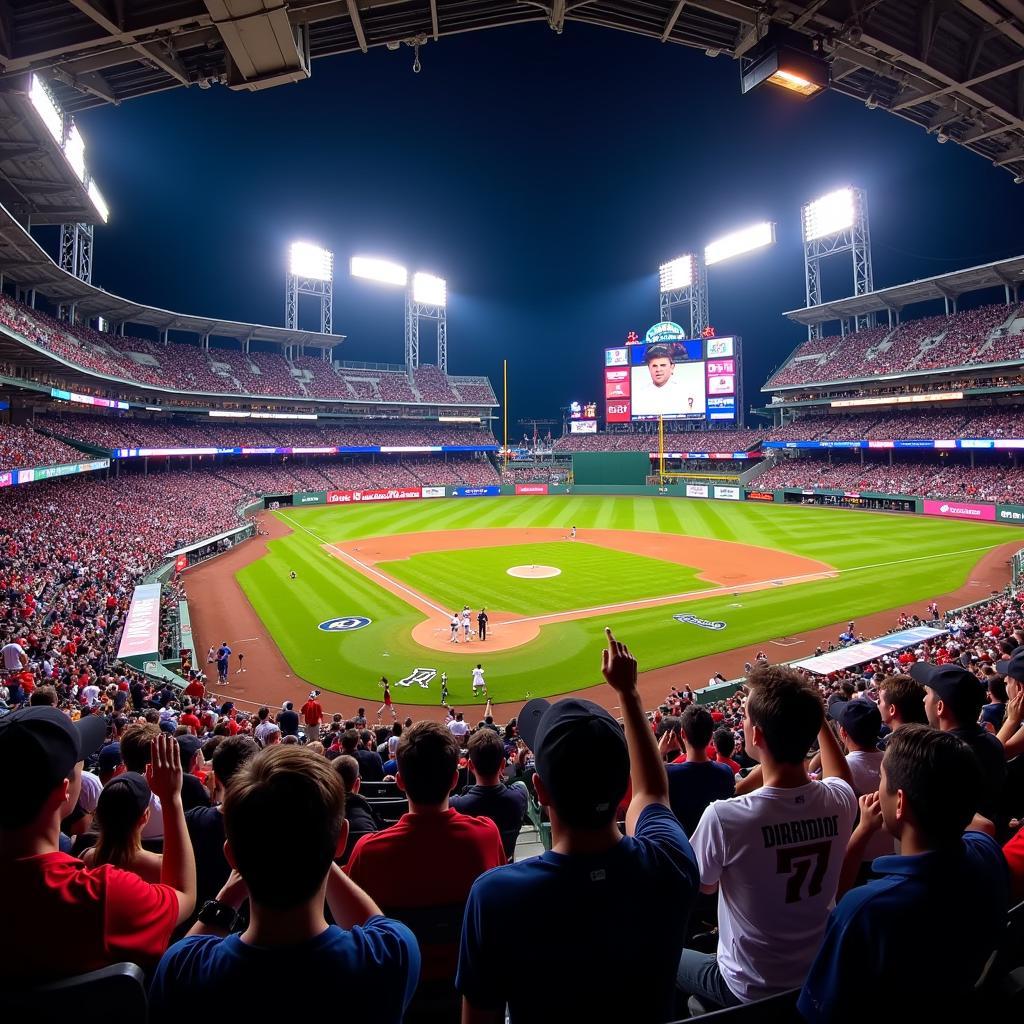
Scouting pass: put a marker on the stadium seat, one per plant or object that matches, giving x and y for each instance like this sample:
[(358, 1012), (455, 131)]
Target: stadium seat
[(379, 790), (1002, 982), (389, 809), (780, 1009), (111, 995)]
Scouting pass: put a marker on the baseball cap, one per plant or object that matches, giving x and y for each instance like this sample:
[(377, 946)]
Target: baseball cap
[(188, 745), (40, 746), (861, 720), (131, 782), (581, 756), (950, 682), (1013, 666), (110, 758)]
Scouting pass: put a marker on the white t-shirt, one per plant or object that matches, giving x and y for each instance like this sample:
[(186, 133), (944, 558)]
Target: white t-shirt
[(478, 677), (12, 653), (458, 729), (90, 794), (866, 769), (776, 854)]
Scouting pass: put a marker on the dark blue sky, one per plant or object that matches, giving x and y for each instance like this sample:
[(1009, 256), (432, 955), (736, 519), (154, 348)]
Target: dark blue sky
[(544, 176)]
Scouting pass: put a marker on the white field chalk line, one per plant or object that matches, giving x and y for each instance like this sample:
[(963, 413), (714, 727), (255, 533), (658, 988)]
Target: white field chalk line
[(708, 592)]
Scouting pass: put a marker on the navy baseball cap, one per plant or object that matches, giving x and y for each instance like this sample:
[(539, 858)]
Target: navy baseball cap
[(581, 756), (1013, 666), (40, 746), (860, 718), (110, 758), (950, 682)]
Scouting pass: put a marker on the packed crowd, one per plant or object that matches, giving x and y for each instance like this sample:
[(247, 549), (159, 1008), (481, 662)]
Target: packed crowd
[(1000, 482), (682, 440), (952, 423), (21, 446), (221, 369), (969, 337)]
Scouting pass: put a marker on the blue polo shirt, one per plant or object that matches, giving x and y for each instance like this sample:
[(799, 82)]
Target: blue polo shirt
[(916, 937), (610, 926)]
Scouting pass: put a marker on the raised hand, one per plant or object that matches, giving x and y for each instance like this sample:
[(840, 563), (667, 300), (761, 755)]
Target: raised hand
[(618, 666), (164, 772), (870, 813)]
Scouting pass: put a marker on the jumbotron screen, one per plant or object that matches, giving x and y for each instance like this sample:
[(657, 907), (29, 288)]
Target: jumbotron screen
[(685, 379)]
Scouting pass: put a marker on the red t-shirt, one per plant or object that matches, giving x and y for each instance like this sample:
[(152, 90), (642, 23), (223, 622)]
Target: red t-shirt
[(190, 720), (427, 861), (312, 712), (194, 688), (1013, 851), (70, 919)]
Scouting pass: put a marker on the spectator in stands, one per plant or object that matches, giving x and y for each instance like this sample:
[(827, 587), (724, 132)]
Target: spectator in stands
[(953, 703), (900, 702), (489, 797), (421, 869), (361, 817), (1011, 736), (945, 896), (994, 712), (585, 887), (136, 745), (68, 918), (312, 716), (193, 792), (121, 814), (206, 823), (725, 744), (288, 719), (771, 910), (371, 767), (694, 780), (286, 873)]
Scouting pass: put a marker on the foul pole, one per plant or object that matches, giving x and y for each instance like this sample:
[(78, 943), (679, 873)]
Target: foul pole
[(504, 407), (661, 448)]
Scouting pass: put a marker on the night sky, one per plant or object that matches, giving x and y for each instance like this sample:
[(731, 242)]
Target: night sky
[(544, 176)]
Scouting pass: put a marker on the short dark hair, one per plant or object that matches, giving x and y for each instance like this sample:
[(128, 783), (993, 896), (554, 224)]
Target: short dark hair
[(940, 777), (231, 754), (282, 866), (136, 745), (349, 740), (725, 742), (43, 696), (906, 695), (347, 768), (996, 686), (787, 711), (428, 756), (486, 752), (697, 725)]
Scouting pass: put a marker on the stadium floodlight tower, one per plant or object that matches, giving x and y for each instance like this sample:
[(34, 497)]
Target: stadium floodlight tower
[(426, 300), (833, 224), (684, 282), (310, 272)]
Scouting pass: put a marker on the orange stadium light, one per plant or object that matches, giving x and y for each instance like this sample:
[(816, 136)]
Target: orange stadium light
[(382, 271)]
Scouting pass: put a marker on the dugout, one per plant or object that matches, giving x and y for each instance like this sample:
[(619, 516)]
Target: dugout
[(604, 468)]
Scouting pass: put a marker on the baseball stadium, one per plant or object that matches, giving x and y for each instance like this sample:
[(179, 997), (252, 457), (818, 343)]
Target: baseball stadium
[(338, 552)]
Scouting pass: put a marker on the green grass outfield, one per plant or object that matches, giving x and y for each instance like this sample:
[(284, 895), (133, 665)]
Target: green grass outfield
[(886, 561)]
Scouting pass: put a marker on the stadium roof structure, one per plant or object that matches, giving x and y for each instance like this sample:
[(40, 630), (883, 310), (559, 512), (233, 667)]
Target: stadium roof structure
[(954, 67), (24, 261), (1007, 273)]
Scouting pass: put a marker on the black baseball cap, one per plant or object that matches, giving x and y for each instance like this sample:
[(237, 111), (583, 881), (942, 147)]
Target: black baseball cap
[(40, 746), (581, 756), (860, 718), (189, 746), (950, 682), (1013, 666), (134, 785)]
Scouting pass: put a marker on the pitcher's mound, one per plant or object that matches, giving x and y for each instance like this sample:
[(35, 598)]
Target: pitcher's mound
[(534, 572)]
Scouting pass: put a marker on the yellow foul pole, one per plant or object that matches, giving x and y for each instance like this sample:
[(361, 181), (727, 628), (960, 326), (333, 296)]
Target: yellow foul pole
[(661, 448), (504, 407)]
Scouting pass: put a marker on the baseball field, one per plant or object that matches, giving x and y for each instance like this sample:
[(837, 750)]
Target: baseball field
[(376, 585)]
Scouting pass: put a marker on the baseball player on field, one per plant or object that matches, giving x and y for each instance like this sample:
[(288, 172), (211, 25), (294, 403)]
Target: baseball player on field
[(467, 623), (478, 680), (455, 629)]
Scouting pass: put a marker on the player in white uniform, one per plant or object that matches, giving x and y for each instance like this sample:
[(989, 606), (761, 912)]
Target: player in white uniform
[(572, 533), (455, 629), (467, 627), (478, 680)]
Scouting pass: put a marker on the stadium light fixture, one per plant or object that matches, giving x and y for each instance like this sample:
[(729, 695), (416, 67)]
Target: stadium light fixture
[(788, 60), (310, 261), (676, 274), (739, 242), (96, 197), (830, 214), (74, 150), (429, 290), (46, 107), (383, 271)]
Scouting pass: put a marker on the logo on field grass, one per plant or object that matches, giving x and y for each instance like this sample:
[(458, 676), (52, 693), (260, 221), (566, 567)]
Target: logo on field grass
[(695, 620), (344, 624), (423, 676)]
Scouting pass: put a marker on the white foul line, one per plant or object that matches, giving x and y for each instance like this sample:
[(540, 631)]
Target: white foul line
[(369, 569), (666, 599)]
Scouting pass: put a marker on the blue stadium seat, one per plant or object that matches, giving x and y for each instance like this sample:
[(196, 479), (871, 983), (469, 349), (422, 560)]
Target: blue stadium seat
[(111, 995)]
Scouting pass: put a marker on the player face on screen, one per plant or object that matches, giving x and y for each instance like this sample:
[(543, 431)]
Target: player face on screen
[(661, 368)]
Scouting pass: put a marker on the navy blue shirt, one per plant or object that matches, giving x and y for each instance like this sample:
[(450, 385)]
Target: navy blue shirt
[(693, 785), (216, 978), (612, 924), (914, 938)]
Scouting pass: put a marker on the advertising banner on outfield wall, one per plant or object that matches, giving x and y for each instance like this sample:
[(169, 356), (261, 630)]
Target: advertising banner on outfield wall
[(476, 492), (432, 492), (531, 488), (960, 510), (760, 495), (697, 491), (309, 498), (379, 494), (728, 493), (1010, 513)]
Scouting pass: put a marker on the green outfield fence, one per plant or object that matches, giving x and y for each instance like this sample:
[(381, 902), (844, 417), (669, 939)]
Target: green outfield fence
[(1017, 572)]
